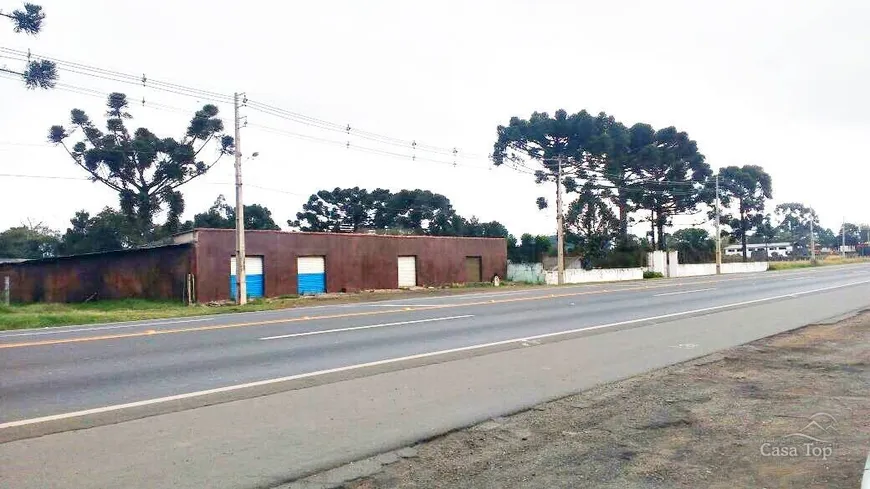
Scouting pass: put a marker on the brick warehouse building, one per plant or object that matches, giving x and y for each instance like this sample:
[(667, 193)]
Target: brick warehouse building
[(277, 263)]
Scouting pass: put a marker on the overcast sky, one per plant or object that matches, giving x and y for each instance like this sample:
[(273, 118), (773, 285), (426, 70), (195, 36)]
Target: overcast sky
[(782, 84)]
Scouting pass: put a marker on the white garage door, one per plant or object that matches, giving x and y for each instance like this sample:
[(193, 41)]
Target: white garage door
[(311, 276), (407, 271)]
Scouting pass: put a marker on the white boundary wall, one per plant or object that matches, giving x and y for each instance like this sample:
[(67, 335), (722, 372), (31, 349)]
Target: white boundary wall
[(579, 276), (668, 265), (744, 267)]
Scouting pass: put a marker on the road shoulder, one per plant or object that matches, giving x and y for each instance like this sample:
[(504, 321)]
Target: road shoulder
[(791, 410)]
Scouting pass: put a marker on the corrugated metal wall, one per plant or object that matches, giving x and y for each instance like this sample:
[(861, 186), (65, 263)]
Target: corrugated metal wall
[(154, 273), (352, 261)]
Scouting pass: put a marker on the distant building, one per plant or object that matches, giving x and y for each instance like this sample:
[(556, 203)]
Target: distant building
[(201, 264), (770, 250)]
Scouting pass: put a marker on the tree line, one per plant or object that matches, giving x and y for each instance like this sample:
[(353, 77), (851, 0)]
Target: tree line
[(615, 175), (339, 210), (619, 175)]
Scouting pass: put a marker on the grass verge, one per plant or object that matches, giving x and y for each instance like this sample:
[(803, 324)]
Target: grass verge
[(830, 260), (40, 315)]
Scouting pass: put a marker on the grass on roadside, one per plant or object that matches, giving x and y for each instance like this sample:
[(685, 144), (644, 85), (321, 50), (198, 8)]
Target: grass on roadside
[(829, 260), (39, 315), (20, 316)]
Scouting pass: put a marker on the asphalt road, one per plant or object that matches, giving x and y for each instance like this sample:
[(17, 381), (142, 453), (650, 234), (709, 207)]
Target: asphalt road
[(441, 363), (60, 370)]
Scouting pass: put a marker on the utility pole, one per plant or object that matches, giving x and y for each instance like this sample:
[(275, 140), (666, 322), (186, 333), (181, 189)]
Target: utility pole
[(843, 235), (812, 241), (718, 232), (241, 290), (560, 227)]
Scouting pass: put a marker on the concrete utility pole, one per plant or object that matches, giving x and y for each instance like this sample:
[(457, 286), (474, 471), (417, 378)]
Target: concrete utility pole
[(843, 235), (241, 290), (560, 237), (718, 232), (812, 242)]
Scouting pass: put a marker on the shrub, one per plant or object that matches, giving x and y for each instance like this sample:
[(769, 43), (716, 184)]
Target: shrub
[(651, 274)]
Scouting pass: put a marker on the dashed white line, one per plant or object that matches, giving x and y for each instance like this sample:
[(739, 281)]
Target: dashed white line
[(387, 361), (685, 292), (371, 326)]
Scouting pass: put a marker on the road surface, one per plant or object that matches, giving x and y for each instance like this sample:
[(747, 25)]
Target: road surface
[(275, 395)]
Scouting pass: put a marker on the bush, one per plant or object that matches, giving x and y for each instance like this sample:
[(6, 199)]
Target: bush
[(651, 274)]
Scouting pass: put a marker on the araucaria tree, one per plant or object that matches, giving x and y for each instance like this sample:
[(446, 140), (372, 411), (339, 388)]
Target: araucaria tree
[(572, 146), (144, 169), (36, 73), (633, 169), (750, 186), (578, 141), (673, 177)]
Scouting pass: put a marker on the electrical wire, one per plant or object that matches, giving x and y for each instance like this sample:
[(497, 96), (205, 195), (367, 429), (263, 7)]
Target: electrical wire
[(356, 147), (349, 130), (178, 89), (116, 76)]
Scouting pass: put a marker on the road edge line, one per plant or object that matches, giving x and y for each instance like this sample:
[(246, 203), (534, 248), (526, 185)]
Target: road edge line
[(218, 390)]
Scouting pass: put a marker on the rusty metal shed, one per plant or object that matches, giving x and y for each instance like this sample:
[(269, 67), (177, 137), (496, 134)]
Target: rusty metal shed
[(287, 263)]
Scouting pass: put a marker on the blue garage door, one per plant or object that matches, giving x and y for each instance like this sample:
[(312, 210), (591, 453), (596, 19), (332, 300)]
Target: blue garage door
[(253, 276), (311, 273)]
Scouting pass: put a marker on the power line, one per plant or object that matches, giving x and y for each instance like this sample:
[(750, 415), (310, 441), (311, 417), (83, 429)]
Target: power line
[(350, 130), (143, 80), (120, 77), (356, 147)]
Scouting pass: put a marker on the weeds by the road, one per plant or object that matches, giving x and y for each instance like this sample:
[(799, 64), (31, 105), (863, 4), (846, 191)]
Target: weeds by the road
[(829, 260), (21, 316), (41, 315)]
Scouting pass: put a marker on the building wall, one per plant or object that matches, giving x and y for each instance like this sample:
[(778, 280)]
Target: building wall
[(156, 273), (353, 261)]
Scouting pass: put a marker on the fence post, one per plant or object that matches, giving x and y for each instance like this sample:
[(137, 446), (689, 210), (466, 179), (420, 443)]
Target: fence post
[(6, 290)]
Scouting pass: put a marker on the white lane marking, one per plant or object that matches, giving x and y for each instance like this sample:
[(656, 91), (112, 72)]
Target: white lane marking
[(527, 339), (302, 309), (797, 278), (407, 305), (355, 328), (685, 292), (101, 328)]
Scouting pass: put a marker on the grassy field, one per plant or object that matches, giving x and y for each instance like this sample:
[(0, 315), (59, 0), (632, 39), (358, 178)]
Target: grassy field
[(829, 260), (21, 316)]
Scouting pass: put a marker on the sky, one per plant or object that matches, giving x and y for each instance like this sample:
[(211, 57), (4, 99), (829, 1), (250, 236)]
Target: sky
[(781, 84)]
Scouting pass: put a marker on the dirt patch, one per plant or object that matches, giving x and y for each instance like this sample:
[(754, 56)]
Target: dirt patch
[(792, 410)]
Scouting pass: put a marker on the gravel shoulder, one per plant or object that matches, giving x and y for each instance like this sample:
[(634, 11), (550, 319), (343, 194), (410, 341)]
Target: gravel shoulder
[(792, 410)]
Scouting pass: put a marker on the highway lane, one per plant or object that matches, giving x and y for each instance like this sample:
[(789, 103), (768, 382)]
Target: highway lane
[(71, 369)]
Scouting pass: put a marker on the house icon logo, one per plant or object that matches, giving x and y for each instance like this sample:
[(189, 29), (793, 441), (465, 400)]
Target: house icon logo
[(815, 439)]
